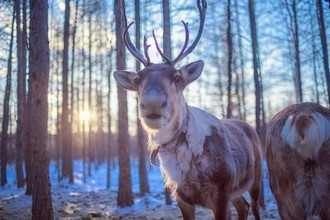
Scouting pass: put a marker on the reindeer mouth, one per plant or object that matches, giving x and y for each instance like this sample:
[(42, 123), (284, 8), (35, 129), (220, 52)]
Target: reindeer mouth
[(153, 116), (154, 121)]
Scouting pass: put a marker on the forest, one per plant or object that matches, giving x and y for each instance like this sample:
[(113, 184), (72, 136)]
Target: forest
[(66, 123)]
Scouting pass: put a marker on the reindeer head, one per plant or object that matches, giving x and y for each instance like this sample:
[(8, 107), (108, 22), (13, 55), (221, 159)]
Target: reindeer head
[(160, 86)]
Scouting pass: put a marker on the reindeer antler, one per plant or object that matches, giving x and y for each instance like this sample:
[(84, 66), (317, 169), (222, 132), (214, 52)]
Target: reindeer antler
[(133, 50), (202, 5), (128, 43)]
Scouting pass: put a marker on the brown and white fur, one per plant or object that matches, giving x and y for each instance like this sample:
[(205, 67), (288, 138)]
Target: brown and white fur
[(298, 158), (205, 161)]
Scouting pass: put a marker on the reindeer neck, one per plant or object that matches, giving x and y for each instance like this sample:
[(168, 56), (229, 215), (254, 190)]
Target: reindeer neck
[(176, 126)]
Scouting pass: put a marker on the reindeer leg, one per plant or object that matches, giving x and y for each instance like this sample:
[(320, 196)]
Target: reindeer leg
[(187, 210), (255, 194), (221, 206), (242, 207)]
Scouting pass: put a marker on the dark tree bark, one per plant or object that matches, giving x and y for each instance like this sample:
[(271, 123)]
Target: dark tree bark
[(84, 121), (83, 125), (27, 152), (256, 77), (292, 10), (21, 99), (167, 29), (67, 169), (72, 89), (109, 154), (5, 117), (229, 64), (141, 140), (58, 139), (38, 109), (317, 94), (125, 191), (217, 61), (168, 53), (297, 53), (241, 59), (90, 70), (323, 35)]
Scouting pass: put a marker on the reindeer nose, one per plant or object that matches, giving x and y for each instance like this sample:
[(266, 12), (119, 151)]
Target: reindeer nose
[(153, 104)]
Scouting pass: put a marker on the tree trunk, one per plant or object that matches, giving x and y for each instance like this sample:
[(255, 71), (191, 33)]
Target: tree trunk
[(84, 100), (168, 53), (167, 29), (124, 192), (99, 106), (297, 54), (241, 59), (230, 57), (141, 141), (256, 78), (84, 120), (38, 109), (67, 170), (5, 117), (323, 35), (90, 135), (317, 94), (21, 99), (109, 154), (292, 11), (27, 152), (58, 113), (72, 91)]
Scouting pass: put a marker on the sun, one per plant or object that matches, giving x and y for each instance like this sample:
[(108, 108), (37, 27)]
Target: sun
[(84, 115)]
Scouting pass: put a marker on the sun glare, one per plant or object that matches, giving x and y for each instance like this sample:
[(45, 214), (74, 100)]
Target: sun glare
[(84, 115)]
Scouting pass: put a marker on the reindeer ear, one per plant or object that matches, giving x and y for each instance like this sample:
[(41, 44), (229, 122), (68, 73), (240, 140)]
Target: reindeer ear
[(126, 79), (192, 71)]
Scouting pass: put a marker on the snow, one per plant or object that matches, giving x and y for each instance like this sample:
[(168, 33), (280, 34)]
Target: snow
[(92, 200)]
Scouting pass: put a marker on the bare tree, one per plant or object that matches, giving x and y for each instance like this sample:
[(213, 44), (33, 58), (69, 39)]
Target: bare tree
[(316, 81), (72, 88), (58, 139), (90, 106), (124, 192), (5, 117), (67, 169), (109, 140), (292, 11), (83, 54), (27, 152), (229, 61), (320, 19), (38, 109), (21, 99), (141, 136), (168, 52), (241, 58), (167, 29), (256, 77)]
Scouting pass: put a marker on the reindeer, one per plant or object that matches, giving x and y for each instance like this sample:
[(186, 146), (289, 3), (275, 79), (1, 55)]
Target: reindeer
[(205, 161), (298, 158)]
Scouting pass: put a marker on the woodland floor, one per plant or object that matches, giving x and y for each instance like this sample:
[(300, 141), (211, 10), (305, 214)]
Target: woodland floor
[(91, 200), (102, 205)]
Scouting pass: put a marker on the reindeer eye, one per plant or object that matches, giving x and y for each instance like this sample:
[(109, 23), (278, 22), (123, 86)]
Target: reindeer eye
[(177, 78)]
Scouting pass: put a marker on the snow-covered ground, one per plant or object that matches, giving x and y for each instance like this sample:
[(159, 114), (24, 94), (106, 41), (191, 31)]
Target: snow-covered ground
[(92, 200)]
